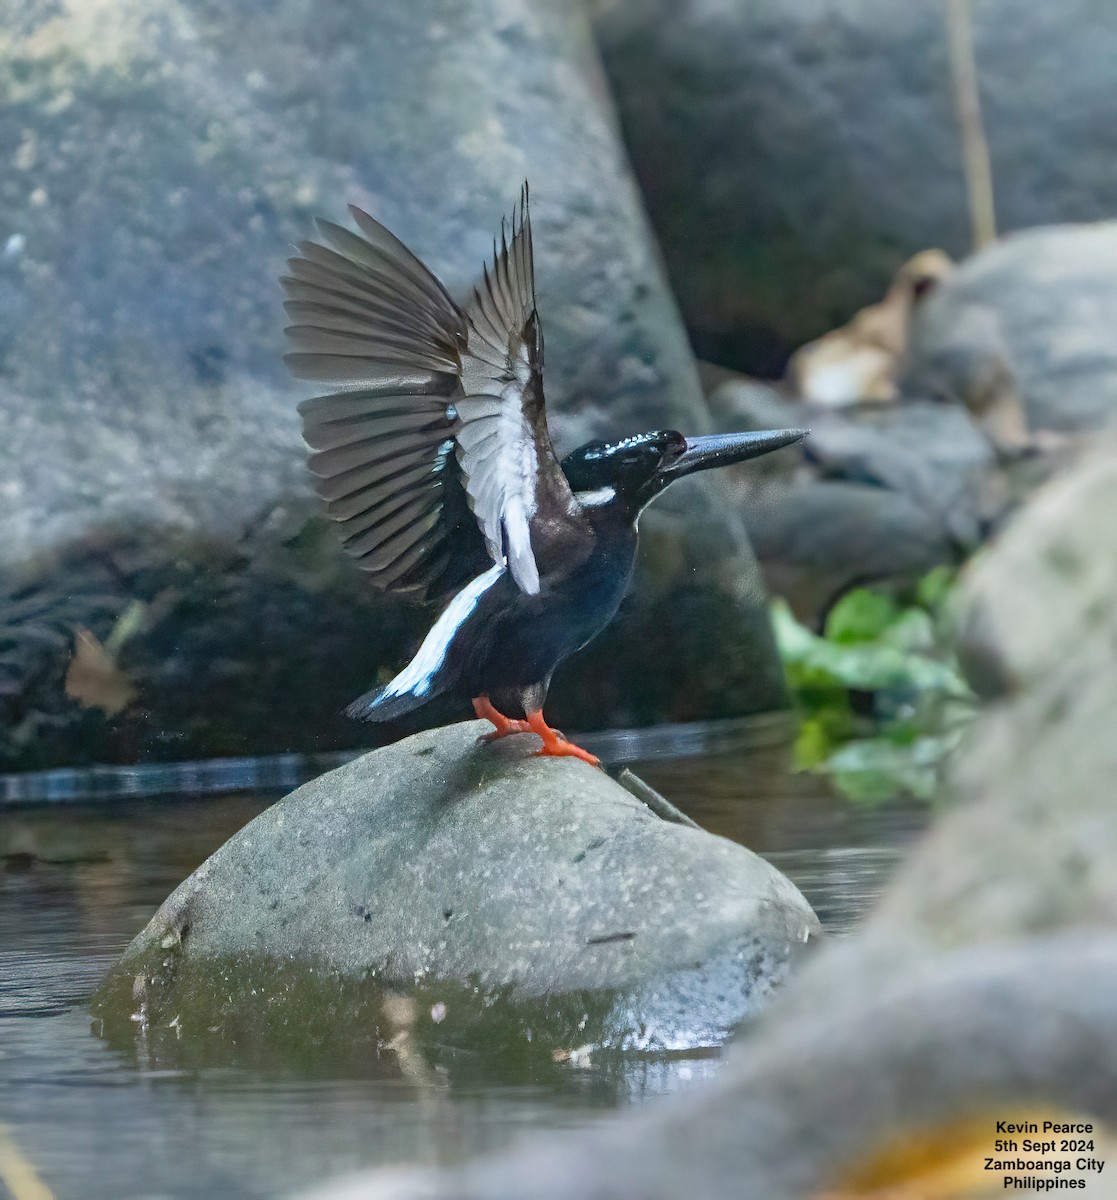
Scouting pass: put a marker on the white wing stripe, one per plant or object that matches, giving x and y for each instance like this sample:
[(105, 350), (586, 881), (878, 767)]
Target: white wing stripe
[(521, 559), (417, 675), (501, 478), (500, 374)]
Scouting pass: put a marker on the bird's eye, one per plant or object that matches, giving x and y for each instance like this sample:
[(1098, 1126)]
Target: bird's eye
[(674, 445)]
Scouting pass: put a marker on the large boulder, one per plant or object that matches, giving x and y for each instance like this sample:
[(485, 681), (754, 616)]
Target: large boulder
[(530, 895), (793, 155), (162, 164), (983, 986)]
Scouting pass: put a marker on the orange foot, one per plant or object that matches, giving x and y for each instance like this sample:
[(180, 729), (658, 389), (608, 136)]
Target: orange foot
[(484, 711), (554, 744)]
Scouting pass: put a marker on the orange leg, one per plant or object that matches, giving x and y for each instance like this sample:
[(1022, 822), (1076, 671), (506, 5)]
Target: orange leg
[(484, 711), (554, 744)]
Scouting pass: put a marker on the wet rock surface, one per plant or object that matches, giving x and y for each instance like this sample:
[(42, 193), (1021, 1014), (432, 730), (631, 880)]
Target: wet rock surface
[(984, 982), (793, 155), (494, 882), (149, 442)]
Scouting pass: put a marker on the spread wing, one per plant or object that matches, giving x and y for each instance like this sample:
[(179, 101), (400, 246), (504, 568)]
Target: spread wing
[(441, 410)]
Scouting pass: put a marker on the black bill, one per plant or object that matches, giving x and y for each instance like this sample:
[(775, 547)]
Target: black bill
[(721, 449)]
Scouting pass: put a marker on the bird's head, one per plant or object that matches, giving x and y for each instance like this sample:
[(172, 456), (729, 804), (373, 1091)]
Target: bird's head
[(635, 470)]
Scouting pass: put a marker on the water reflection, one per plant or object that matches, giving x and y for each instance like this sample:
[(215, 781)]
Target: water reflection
[(77, 883), (837, 853)]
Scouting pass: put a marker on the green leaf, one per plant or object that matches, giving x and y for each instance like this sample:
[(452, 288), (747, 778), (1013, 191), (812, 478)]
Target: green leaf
[(936, 587), (860, 616), (795, 641), (877, 769), (813, 745), (873, 645), (913, 631)]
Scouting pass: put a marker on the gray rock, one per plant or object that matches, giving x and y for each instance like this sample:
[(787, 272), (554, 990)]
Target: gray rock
[(479, 874), (149, 445), (883, 493), (984, 984), (794, 154), (1028, 321)]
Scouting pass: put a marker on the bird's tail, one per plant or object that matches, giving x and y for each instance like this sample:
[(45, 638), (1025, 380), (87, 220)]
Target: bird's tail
[(429, 673), (385, 704)]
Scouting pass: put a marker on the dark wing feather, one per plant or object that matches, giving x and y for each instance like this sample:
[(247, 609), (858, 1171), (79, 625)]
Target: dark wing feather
[(369, 316), (436, 456)]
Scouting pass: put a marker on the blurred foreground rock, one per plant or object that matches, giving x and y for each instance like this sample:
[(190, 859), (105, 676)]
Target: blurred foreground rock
[(984, 986), (794, 154), (161, 164), (533, 896), (1039, 610)]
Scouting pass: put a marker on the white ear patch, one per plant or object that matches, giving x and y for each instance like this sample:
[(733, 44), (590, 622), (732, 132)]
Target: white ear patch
[(601, 495)]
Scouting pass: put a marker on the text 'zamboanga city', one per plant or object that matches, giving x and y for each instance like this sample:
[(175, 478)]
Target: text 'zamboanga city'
[(1065, 1147)]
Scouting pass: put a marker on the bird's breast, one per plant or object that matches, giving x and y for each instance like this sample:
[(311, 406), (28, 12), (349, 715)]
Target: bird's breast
[(586, 598), (515, 639)]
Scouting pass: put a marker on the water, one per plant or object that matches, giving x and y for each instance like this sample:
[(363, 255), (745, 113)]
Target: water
[(98, 1123)]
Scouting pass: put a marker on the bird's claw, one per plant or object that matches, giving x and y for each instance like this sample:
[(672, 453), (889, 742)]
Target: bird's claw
[(503, 731), (565, 749), (555, 744), (502, 726)]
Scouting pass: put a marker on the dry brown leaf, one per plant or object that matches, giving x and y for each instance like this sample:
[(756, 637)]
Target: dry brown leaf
[(94, 679)]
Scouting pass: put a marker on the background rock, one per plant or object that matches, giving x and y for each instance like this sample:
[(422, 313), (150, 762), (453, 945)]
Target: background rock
[(162, 163), (1028, 321), (793, 155), (882, 494), (1009, 368), (480, 872)]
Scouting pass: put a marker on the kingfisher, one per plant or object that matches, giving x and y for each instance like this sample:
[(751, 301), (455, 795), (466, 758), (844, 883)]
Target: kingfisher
[(434, 457)]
